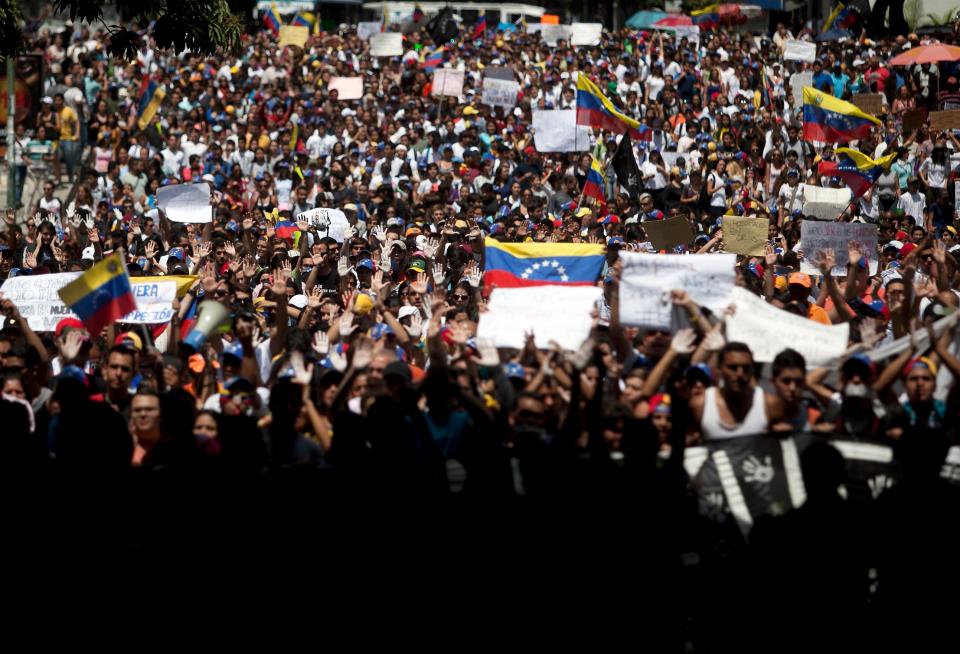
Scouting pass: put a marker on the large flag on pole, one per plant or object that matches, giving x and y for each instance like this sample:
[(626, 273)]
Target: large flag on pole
[(831, 120), (857, 170), (595, 110), (626, 168), (101, 295)]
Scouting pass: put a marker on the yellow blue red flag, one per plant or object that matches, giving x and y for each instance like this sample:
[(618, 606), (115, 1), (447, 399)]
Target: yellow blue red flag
[(101, 295)]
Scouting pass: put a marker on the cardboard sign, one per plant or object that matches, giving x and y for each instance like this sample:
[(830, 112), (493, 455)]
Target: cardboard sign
[(945, 119), (386, 44), (769, 330), (800, 51), (745, 235), (816, 236), (447, 81), (37, 297), (669, 233), (585, 33), (552, 313), (500, 93), (368, 28), (347, 88), (556, 130), (186, 203), (871, 103), (648, 279), (293, 35), (332, 221), (914, 119)]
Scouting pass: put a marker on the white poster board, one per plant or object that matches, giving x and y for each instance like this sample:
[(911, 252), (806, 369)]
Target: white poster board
[(817, 235), (500, 93), (447, 81), (368, 28), (551, 312), (333, 221), (585, 33), (768, 331), (648, 279), (186, 203), (692, 32), (348, 88), (386, 44), (800, 51), (38, 300), (797, 82), (556, 130), (550, 34)]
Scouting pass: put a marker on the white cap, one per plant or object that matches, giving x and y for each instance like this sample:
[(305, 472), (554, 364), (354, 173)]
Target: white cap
[(407, 311), (298, 301), (896, 244)]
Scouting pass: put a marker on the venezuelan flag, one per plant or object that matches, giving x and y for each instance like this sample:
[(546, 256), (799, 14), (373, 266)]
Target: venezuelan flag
[(510, 265), (481, 27), (595, 183), (433, 60), (304, 19), (100, 295), (271, 18), (151, 96), (857, 170), (828, 119), (706, 18), (595, 110)]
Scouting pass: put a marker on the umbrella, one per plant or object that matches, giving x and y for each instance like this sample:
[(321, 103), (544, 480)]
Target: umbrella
[(645, 19), (833, 35), (674, 21), (927, 54)]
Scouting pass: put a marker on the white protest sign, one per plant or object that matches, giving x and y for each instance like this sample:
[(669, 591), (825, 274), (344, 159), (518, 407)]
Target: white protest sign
[(557, 131), (825, 203), (386, 44), (500, 93), (334, 221), (367, 29), (186, 203), (38, 300), (447, 81), (347, 88), (154, 303), (585, 33), (816, 236), (550, 34), (692, 32), (649, 278), (768, 331), (797, 82), (800, 51), (551, 312)]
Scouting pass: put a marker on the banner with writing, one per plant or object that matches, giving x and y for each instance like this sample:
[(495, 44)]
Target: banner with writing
[(386, 44), (800, 51), (500, 93), (745, 235), (447, 81), (648, 279), (550, 34), (816, 236)]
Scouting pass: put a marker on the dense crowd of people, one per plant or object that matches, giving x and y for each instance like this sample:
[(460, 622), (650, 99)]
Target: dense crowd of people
[(354, 354)]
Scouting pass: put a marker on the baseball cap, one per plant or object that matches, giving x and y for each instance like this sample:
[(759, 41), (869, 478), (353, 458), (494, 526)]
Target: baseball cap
[(799, 278), (68, 323)]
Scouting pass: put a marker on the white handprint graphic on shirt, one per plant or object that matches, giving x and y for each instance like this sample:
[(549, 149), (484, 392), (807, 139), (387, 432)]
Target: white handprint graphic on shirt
[(756, 470)]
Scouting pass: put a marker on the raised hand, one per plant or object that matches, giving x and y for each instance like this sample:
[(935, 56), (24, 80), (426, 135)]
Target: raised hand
[(321, 344), (386, 256), (70, 345), (377, 283), (303, 226), (683, 341), (343, 266), (415, 328), (337, 359), (430, 248), (939, 252), (209, 279), (203, 249), (419, 285), (489, 357), (315, 297), (769, 256), (681, 298), (280, 277), (30, 258), (58, 253), (150, 249), (825, 260), (346, 324), (855, 251), (230, 249), (438, 274), (349, 232), (714, 341), (249, 267), (362, 353), (472, 274), (302, 374), (92, 235), (379, 232)]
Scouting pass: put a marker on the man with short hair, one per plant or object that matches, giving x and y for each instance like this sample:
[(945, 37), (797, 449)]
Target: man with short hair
[(144, 424), (739, 407)]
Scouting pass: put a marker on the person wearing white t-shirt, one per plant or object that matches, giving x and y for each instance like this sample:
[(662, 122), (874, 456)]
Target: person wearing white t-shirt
[(912, 201), (717, 188)]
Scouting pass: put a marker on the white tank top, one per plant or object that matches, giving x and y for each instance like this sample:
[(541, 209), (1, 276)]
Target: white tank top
[(755, 421)]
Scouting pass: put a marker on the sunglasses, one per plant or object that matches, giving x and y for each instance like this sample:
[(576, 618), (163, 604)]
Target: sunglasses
[(459, 296)]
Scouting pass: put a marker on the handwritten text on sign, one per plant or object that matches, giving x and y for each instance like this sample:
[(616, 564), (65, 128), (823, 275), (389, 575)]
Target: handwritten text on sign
[(648, 280), (500, 93), (37, 299), (816, 236), (769, 330)]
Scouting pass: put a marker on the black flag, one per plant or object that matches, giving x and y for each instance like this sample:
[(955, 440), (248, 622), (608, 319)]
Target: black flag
[(443, 27), (626, 168)]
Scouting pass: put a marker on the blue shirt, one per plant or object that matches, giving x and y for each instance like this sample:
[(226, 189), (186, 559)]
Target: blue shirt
[(839, 84)]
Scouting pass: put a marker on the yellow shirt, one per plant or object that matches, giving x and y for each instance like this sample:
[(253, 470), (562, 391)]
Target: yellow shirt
[(69, 125)]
